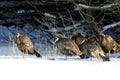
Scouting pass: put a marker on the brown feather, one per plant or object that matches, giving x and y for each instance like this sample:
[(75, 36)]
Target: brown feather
[(66, 43), (92, 48), (25, 45), (78, 38), (108, 42)]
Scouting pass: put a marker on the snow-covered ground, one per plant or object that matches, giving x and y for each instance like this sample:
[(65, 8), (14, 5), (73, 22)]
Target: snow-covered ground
[(43, 69), (14, 67), (53, 66)]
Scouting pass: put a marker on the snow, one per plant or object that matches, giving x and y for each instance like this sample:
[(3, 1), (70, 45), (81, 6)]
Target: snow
[(54, 67), (96, 7), (111, 26), (43, 69), (14, 67)]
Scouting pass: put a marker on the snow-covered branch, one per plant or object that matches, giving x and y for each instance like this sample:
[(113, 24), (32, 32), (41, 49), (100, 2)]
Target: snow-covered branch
[(51, 29), (75, 26), (42, 23), (49, 15), (108, 6), (111, 26)]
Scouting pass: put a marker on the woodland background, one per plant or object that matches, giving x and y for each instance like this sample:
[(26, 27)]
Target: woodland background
[(41, 20), (50, 17)]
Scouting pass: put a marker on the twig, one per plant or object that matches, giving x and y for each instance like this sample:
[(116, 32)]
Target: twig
[(110, 26), (66, 28), (108, 6)]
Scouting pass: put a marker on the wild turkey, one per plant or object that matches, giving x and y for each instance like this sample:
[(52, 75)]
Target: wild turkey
[(117, 48), (25, 45), (78, 38), (108, 43), (67, 44), (91, 48)]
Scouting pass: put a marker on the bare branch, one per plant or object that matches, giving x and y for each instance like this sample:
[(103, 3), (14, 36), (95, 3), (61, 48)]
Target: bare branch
[(66, 28), (111, 26), (108, 6), (42, 23), (49, 15)]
